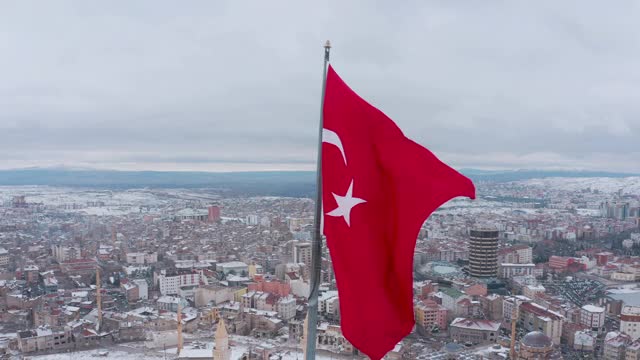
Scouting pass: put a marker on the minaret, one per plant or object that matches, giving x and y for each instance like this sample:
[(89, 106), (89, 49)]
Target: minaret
[(222, 351), (179, 329), (514, 319), (98, 298)]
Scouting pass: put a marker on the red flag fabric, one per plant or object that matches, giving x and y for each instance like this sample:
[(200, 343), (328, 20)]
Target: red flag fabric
[(379, 187)]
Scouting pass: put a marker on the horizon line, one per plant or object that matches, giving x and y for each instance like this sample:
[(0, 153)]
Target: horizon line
[(461, 169)]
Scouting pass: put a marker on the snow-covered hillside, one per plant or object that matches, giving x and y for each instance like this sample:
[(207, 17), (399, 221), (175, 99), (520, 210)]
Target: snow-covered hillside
[(628, 185)]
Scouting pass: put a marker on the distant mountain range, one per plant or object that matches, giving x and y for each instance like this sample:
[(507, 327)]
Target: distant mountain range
[(276, 183), (526, 174)]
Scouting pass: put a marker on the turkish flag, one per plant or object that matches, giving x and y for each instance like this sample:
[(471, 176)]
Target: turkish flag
[(379, 187)]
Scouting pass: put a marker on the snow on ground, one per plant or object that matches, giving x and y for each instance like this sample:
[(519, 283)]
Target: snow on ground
[(108, 211), (120, 352), (462, 206), (58, 196), (93, 355), (588, 212), (114, 202), (629, 185), (493, 350), (459, 206)]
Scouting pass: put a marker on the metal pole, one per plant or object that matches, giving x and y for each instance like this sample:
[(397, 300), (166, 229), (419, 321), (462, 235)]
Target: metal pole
[(316, 248)]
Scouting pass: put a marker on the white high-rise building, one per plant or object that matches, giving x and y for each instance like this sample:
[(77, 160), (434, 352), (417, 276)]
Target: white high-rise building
[(252, 220), (593, 317), (302, 253), (287, 307), (630, 321), (525, 254), (4, 257), (142, 257), (169, 285), (143, 288), (521, 254), (65, 253)]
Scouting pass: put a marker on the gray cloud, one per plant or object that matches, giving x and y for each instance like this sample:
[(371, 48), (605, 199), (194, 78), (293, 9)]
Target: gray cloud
[(231, 85)]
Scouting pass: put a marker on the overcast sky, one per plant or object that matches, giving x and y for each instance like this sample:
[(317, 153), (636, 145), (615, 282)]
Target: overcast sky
[(235, 85)]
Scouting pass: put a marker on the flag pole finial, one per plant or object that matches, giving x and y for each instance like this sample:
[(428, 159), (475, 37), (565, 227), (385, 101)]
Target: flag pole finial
[(327, 50)]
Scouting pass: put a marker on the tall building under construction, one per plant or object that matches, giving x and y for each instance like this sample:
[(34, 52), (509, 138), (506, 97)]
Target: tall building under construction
[(483, 252)]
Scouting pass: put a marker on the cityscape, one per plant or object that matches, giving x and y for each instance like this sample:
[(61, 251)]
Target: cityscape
[(319, 180), (543, 268)]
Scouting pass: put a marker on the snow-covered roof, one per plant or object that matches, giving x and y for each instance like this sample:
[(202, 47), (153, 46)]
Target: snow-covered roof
[(328, 294), (50, 281), (593, 308), (536, 287), (42, 331), (79, 294), (236, 278), (192, 212), (518, 265), (630, 310), (232, 264), (476, 324), (583, 338), (128, 286), (169, 299)]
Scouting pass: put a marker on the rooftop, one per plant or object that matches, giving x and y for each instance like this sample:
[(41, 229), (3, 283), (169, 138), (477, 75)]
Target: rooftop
[(517, 265), (593, 308), (233, 264), (630, 310), (540, 311), (451, 292), (536, 339), (476, 324)]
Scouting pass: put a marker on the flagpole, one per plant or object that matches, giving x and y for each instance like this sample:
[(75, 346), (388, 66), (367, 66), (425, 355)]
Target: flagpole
[(316, 247)]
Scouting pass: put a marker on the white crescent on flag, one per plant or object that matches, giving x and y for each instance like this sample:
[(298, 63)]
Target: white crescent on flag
[(332, 138)]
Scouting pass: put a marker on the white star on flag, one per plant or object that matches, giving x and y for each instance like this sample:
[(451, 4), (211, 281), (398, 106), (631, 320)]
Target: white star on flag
[(345, 204)]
